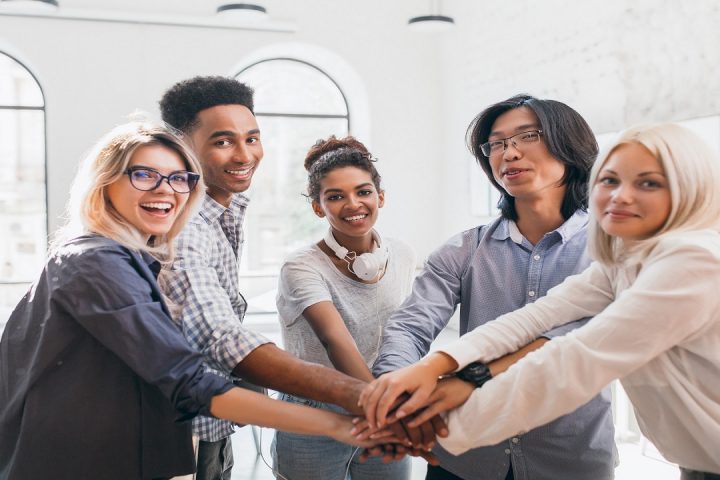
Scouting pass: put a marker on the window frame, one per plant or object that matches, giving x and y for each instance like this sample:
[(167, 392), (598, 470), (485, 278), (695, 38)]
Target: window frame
[(43, 109), (346, 116)]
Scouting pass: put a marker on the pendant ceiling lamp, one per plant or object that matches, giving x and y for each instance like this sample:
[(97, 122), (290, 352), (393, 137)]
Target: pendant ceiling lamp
[(242, 12), (434, 22)]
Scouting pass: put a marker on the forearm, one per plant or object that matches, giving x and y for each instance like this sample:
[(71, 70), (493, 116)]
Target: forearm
[(347, 359), (503, 363), (272, 367), (437, 364), (246, 407)]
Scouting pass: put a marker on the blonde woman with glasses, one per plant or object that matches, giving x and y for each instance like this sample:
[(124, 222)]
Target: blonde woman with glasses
[(652, 290), (95, 378)]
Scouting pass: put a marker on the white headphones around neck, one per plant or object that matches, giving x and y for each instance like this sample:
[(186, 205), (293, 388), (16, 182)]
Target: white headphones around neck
[(366, 266)]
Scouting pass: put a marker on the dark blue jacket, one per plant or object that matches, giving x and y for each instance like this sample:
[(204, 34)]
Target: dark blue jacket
[(95, 378)]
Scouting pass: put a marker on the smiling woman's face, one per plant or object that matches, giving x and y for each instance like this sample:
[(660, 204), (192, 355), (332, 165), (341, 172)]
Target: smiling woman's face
[(631, 197), (350, 202), (152, 212)]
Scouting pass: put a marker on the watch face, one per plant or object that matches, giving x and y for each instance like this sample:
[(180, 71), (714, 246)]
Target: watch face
[(476, 373)]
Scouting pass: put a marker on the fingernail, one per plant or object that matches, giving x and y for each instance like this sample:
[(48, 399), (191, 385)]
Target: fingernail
[(444, 432)]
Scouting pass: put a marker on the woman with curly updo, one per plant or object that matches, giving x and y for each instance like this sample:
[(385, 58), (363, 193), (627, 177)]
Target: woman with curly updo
[(335, 296)]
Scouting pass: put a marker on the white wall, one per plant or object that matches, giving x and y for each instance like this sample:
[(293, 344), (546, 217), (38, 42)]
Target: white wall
[(618, 62), (94, 74)]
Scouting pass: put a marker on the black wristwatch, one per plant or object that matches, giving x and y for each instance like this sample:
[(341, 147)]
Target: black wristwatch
[(476, 373)]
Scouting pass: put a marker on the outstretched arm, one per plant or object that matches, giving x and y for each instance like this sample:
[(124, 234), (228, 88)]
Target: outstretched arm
[(452, 392), (421, 382), (272, 367), (247, 407)]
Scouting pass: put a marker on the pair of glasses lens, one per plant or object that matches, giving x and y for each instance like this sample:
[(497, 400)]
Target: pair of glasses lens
[(498, 146), (147, 179)]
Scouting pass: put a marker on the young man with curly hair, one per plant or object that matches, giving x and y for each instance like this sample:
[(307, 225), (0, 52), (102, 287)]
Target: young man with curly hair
[(215, 115)]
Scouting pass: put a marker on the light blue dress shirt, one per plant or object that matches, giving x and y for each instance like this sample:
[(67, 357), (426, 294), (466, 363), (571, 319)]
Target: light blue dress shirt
[(491, 270)]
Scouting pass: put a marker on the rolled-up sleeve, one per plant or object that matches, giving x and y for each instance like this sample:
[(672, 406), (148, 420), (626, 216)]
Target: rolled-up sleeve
[(116, 305), (209, 321)]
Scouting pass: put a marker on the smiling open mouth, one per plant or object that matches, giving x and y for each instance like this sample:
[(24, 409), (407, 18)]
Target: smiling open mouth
[(157, 207), (355, 218), (241, 172)]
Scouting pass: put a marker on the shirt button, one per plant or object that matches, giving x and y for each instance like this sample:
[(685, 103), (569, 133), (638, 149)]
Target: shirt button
[(536, 257), (515, 440), (531, 293), (507, 451)]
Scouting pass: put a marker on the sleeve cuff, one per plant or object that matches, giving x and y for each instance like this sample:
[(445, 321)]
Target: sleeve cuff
[(463, 352)]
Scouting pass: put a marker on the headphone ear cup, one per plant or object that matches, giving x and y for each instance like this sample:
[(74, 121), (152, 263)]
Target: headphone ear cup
[(367, 266)]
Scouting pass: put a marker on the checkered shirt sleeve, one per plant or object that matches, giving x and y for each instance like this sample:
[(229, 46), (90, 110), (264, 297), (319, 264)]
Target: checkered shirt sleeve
[(202, 289)]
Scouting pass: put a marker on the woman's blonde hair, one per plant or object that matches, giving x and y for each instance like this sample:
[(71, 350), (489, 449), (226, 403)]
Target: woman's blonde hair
[(692, 170), (90, 210)]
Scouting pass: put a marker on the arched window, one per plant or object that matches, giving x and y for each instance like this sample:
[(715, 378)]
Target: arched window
[(23, 205), (296, 104)]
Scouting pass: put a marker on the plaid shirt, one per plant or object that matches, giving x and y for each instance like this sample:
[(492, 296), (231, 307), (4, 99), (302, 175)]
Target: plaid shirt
[(202, 288)]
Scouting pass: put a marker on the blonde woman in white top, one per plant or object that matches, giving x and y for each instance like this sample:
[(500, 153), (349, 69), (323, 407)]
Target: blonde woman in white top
[(655, 236)]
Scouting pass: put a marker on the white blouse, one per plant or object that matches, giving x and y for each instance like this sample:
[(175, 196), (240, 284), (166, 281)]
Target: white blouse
[(656, 327)]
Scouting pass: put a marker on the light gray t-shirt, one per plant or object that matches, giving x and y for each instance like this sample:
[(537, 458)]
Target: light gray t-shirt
[(308, 276)]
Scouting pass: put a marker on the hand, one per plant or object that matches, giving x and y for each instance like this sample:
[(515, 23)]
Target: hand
[(419, 435), (390, 452), (345, 430), (450, 392), (419, 380)]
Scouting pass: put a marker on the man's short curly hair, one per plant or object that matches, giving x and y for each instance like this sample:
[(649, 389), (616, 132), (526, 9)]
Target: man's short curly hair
[(180, 105)]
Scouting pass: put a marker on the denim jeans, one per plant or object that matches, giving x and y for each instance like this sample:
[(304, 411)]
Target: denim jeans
[(305, 457)]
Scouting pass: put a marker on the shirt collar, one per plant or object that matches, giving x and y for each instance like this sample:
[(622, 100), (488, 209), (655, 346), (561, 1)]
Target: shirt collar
[(508, 228), (212, 210)]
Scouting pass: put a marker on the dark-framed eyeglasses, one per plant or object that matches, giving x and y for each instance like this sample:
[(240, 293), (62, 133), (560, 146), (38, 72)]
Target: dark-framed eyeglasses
[(146, 179), (495, 147)]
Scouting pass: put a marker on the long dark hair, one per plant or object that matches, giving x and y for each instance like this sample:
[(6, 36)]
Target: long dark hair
[(568, 138)]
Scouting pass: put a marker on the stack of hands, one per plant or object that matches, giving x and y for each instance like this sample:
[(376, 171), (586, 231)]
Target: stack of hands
[(402, 412)]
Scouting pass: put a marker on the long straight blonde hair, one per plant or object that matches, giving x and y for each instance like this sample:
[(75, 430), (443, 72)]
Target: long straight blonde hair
[(89, 209), (692, 170)]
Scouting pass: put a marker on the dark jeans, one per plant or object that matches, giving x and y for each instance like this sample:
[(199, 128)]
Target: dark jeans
[(439, 473), (686, 474), (215, 460)]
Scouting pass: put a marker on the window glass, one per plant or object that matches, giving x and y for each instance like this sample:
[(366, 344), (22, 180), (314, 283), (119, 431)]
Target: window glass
[(287, 86), (23, 211), (296, 104)]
